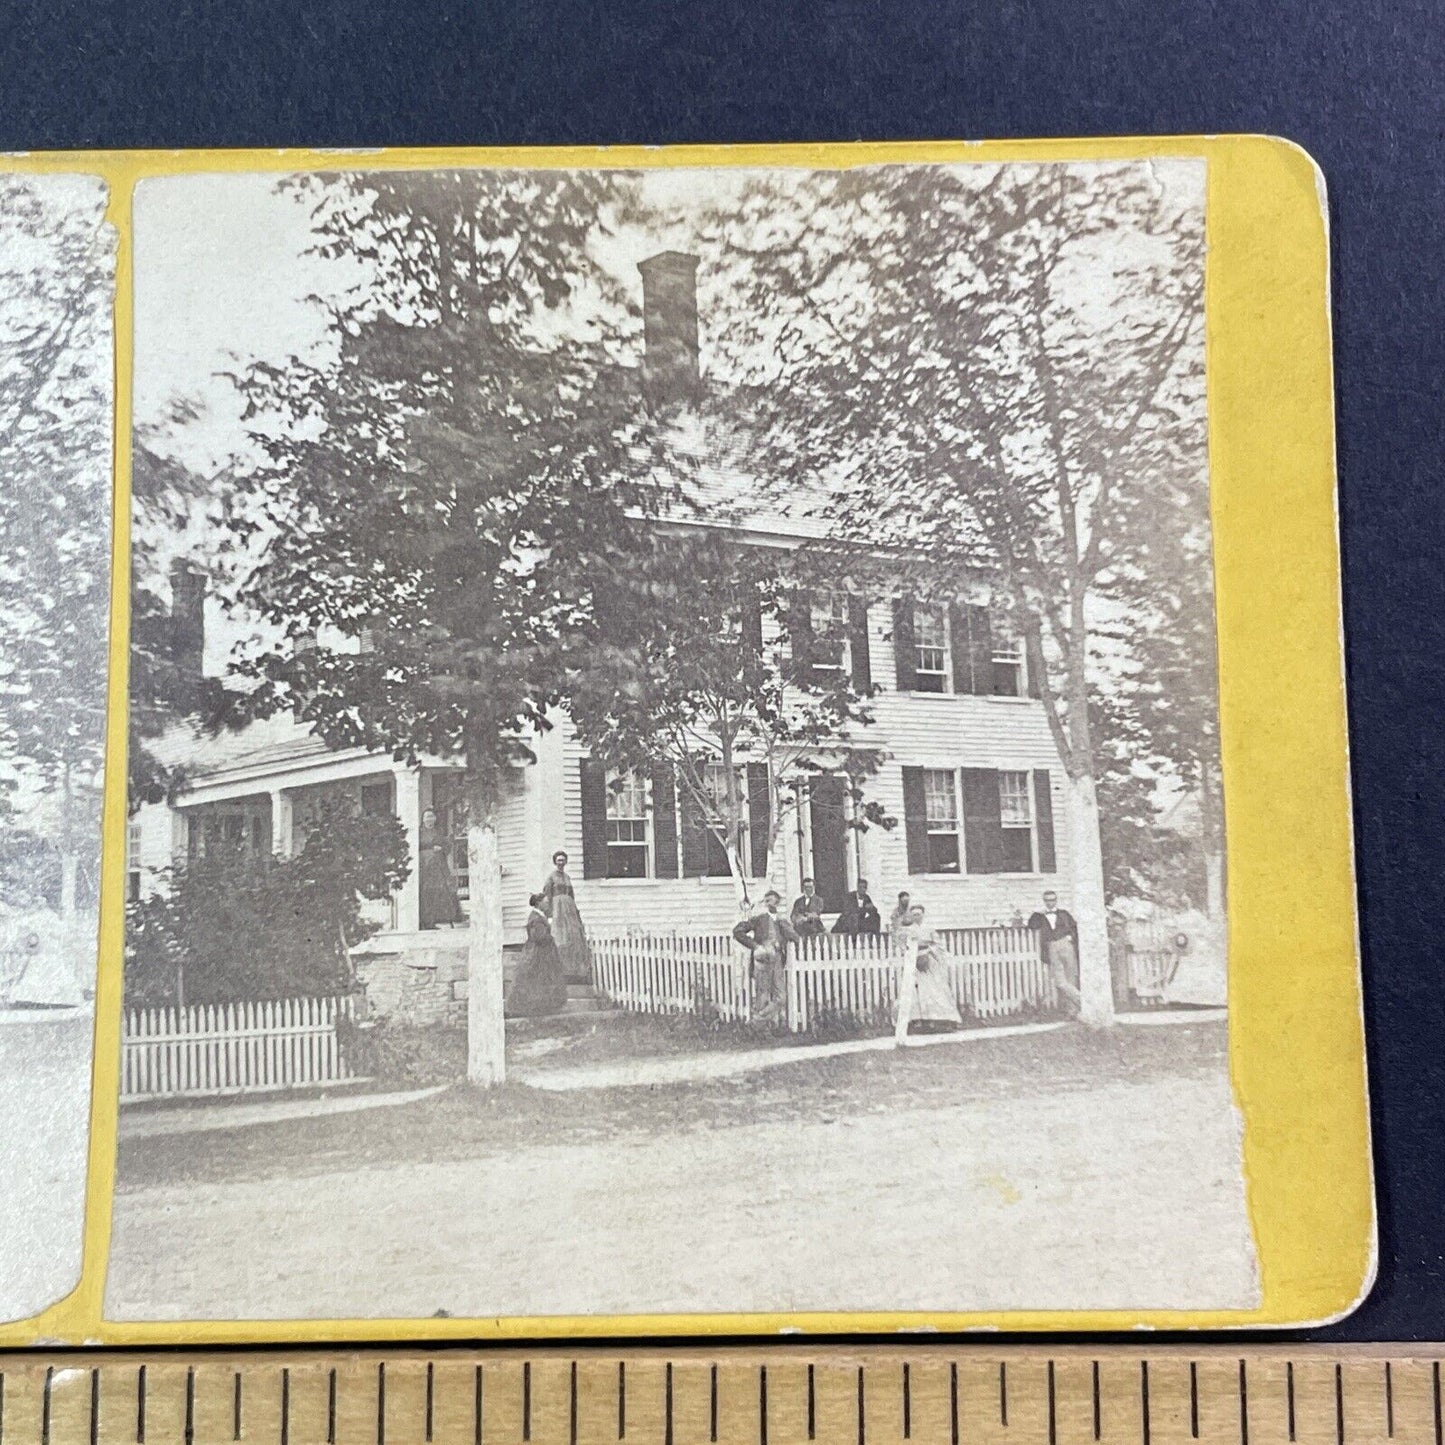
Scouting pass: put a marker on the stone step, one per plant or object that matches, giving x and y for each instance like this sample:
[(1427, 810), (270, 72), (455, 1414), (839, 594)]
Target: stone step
[(590, 1005)]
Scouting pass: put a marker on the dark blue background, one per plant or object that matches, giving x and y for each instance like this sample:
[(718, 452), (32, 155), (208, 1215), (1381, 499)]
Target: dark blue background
[(1359, 85)]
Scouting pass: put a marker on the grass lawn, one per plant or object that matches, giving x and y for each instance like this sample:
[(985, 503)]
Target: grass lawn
[(1061, 1170)]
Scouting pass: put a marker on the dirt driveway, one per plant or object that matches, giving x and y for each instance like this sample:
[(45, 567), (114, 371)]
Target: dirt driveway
[(1125, 1194)]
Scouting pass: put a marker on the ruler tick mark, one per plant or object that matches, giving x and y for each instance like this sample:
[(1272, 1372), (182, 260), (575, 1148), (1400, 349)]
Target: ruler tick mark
[(812, 1407), (477, 1408), (1144, 1397), (1289, 1394), (1243, 1405), (666, 1403), (236, 1408), (285, 1407), (572, 1405), (1389, 1401), (45, 1405), (953, 1399), (381, 1403), (94, 1406), (430, 1396), (526, 1399), (1339, 1406), (190, 1431), (862, 1429), (763, 1405), (331, 1406), (621, 1400), (1193, 1400), (1053, 1409), (1003, 1393), (140, 1405), (907, 1403), (1435, 1378), (1098, 1404), (712, 1407)]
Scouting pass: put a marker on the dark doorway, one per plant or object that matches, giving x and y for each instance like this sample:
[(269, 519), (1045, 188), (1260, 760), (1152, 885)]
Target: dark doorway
[(827, 815)]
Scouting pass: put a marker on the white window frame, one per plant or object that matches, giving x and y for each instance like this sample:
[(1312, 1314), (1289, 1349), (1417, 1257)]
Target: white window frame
[(133, 869), (1030, 824), (1009, 652), (955, 831), (944, 672), (638, 788), (828, 619)]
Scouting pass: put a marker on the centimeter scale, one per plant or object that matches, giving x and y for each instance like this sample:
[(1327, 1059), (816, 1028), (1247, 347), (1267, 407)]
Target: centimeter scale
[(878, 1395)]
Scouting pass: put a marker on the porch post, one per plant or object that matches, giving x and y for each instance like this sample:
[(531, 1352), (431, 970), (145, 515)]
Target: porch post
[(408, 810), (281, 823)]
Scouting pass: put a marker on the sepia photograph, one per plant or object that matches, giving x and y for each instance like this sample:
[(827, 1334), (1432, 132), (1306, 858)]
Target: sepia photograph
[(673, 748), (57, 281)]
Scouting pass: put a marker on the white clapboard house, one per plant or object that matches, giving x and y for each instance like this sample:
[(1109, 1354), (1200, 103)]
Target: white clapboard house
[(971, 773)]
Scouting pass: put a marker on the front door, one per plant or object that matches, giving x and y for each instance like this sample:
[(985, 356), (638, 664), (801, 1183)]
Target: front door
[(828, 823)]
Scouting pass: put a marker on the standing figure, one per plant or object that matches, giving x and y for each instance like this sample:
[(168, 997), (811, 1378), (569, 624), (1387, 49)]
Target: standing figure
[(898, 921), (808, 910), (561, 905), (539, 987), (859, 917), (439, 905), (1059, 949), (766, 936), (925, 996)]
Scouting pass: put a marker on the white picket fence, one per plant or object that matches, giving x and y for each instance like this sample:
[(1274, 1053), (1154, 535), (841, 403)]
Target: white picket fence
[(994, 973), (238, 1048)]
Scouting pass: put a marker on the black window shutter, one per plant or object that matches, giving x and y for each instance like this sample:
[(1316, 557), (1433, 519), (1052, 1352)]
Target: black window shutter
[(760, 818), (1044, 821), (971, 641), (695, 837), (858, 653), (905, 649), (594, 819), (915, 820), (982, 821), (800, 636), (752, 618), (664, 822)]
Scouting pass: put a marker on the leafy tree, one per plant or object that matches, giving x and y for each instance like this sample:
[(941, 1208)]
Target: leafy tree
[(697, 666), (56, 281), (995, 352), (448, 485), (232, 926)]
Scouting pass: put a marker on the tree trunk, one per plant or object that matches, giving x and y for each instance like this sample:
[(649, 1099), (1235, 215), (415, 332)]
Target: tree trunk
[(486, 1029), (1086, 871)]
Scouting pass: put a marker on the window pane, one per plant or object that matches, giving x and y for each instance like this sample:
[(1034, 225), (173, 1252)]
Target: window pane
[(830, 630), (943, 852), (1015, 810), (1016, 853), (940, 800), (626, 796), (626, 860)]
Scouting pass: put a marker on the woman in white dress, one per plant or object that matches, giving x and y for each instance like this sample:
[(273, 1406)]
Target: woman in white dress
[(925, 996)]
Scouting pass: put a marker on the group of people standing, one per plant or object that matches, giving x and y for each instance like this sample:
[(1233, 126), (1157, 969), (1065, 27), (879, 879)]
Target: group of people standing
[(926, 1002)]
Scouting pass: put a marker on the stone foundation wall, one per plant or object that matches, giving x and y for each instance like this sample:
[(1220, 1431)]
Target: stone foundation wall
[(426, 986)]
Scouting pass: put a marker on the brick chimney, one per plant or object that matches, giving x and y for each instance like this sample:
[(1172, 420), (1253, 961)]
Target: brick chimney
[(669, 327), (188, 617)]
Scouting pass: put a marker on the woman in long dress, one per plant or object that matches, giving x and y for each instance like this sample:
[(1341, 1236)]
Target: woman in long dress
[(925, 1001), (438, 900), (561, 907), (538, 987)]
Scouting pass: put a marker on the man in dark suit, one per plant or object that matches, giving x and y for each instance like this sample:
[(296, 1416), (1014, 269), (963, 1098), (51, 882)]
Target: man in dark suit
[(808, 910), (1059, 948), (766, 937), (859, 914)]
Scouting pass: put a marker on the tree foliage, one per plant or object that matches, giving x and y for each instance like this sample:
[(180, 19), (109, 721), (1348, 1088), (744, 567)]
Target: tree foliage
[(233, 926)]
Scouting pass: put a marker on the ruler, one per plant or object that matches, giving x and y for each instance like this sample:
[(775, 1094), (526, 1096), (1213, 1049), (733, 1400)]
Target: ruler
[(762, 1395)]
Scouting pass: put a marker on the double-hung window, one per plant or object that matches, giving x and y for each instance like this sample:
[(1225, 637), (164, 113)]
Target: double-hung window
[(628, 842), (1016, 823), (830, 632), (940, 797), (132, 861), (1008, 666), (930, 641)]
